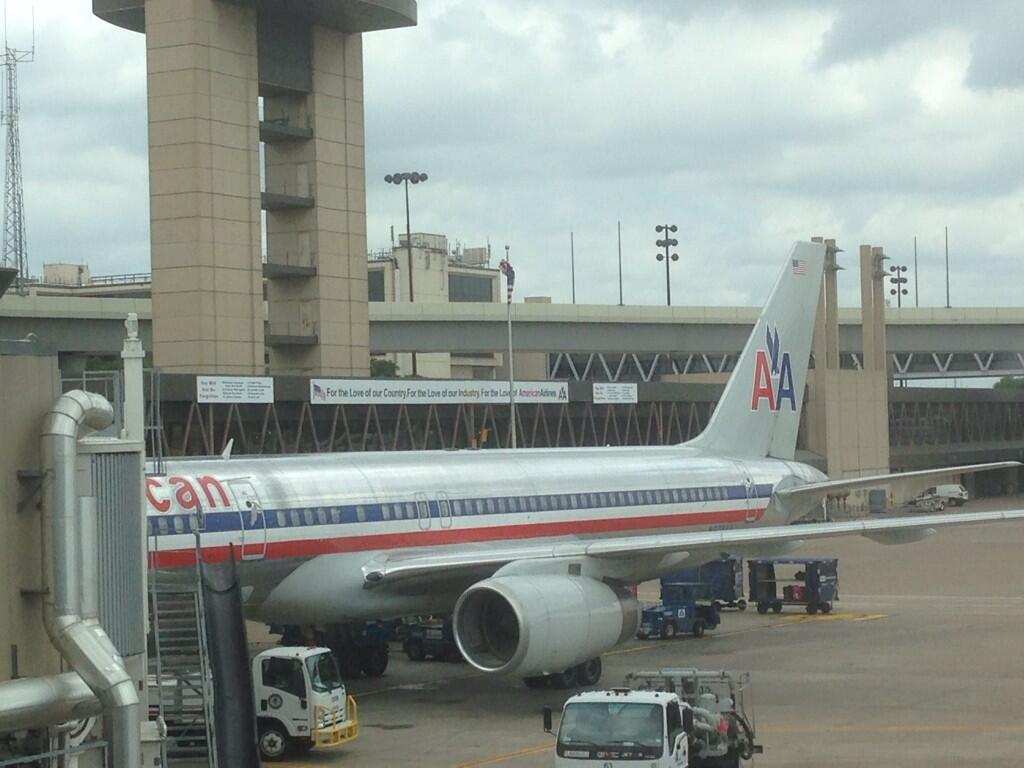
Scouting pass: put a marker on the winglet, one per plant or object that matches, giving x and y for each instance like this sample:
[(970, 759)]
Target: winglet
[(226, 453)]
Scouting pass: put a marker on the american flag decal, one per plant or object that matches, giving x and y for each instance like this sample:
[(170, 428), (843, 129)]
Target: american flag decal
[(510, 277), (799, 267)]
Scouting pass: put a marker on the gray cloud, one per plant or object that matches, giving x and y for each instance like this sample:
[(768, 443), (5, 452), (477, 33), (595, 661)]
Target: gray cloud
[(747, 124)]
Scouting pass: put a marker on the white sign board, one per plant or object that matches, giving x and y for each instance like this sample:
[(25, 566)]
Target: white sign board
[(420, 392), (235, 389), (614, 393)]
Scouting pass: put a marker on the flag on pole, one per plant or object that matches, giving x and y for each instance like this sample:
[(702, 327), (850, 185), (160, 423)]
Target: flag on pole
[(510, 277)]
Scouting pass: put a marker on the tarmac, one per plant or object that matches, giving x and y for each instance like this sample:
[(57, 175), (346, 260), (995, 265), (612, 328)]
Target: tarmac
[(920, 664)]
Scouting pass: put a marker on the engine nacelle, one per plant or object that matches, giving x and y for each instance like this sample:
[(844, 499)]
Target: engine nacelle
[(532, 625)]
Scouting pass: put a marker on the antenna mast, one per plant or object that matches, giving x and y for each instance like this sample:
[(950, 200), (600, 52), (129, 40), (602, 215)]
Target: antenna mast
[(15, 248)]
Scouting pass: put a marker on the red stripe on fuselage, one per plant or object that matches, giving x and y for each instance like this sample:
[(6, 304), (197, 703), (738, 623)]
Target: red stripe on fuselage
[(438, 536)]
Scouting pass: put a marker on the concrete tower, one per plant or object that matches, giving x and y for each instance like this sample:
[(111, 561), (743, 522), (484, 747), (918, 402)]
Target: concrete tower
[(208, 63)]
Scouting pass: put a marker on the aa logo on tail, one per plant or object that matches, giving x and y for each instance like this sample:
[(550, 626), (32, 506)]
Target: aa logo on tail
[(773, 375)]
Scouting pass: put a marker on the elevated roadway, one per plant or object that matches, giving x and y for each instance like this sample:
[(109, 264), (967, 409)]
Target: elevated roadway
[(586, 342)]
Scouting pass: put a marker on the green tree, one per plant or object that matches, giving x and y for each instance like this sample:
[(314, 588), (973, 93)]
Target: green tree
[(1010, 382), (381, 368)]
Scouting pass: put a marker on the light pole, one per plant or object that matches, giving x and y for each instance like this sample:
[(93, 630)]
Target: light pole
[(897, 280), (404, 178), (667, 243), (510, 280)]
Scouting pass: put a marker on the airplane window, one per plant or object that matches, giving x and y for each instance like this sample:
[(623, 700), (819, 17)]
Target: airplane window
[(490, 506), (321, 515), (480, 508), (336, 514), (360, 514), (533, 503), (700, 494), (161, 524), (282, 519), (593, 500), (677, 495), (500, 506), (574, 502), (649, 496), (457, 507), (307, 516), (631, 495), (179, 524), (295, 518), (423, 509)]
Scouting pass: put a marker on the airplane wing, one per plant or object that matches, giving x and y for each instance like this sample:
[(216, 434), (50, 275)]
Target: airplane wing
[(812, 494), (399, 566)]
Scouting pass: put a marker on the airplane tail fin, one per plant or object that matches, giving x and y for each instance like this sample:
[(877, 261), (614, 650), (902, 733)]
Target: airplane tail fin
[(759, 412)]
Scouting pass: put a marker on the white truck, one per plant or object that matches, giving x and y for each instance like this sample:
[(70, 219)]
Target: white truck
[(301, 701), (623, 727)]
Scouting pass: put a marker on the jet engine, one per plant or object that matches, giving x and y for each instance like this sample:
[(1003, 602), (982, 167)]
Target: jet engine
[(542, 624)]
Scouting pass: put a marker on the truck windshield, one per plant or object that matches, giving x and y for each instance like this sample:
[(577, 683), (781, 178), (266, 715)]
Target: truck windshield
[(323, 672), (609, 724)]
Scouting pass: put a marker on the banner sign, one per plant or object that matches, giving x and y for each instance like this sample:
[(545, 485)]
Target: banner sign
[(235, 389), (422, 392), (614, 393)]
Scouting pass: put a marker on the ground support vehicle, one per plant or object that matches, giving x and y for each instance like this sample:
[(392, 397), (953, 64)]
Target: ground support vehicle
[(723, 580), (937, 497), (679, 613), (431, 639), (723, 732), (809, 582), (301, 701), (622, 727)]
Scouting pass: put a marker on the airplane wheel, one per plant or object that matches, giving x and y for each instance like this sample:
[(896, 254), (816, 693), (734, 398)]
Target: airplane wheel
[(777, 607), (589, 672), (374, 660), (762, 608), (668, 630), (414, 650), (564, 680), (826, 607), (698, 629), (812, 608), (742, 605)]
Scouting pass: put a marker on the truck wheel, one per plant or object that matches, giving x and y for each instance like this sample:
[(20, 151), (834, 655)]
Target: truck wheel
[(762, 608), (742, 605), (777, 607), (698, 628), (414, 650), (812, 608), (589, 672), (374, 660), (273, 742), (826, 607), (668, 630)]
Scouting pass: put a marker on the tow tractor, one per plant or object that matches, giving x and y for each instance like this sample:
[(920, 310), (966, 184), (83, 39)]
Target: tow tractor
[(679, 612), (301, 701)]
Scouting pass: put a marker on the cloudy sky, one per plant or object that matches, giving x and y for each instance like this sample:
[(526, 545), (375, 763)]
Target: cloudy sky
[(747, 124)]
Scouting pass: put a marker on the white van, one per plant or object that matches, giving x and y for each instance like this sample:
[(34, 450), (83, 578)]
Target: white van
[(941, 495)]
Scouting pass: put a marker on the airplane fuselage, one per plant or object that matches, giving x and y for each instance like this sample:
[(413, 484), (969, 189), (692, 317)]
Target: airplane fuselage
[(334, 514)]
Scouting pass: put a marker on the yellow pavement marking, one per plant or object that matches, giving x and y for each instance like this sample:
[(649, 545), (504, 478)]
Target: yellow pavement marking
[(508, 756), (977, 728), (838, 616)]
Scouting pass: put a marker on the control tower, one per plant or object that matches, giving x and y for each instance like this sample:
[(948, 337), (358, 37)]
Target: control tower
[(208, 62)]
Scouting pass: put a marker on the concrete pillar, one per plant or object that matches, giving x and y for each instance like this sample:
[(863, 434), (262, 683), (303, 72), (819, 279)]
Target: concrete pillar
[(331, 235), (878, 308), (867, 300), (204, 186)]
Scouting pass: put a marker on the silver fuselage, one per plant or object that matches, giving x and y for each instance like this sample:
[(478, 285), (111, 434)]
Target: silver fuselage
[(338, 512)]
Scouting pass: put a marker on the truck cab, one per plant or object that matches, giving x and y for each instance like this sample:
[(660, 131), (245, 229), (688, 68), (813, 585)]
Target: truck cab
[(622, 727), (301, 701)]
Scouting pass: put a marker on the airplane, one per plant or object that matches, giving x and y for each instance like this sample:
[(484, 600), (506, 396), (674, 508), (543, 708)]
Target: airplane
[(533, 552)]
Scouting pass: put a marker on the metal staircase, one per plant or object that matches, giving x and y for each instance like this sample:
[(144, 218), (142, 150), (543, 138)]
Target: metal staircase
[(183, 688), (181, 681)]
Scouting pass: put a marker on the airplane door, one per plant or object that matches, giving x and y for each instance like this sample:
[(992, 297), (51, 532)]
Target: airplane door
[(751, 491), (254, 522), (423, 511), (444, 510)]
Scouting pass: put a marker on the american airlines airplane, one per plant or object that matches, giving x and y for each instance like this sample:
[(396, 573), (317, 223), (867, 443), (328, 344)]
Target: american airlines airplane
[(532, 551)]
